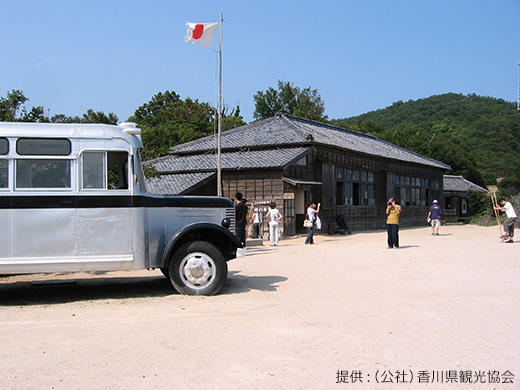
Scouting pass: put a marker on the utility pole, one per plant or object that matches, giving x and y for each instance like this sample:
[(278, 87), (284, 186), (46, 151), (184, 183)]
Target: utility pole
[(518, 99), (219, 142)]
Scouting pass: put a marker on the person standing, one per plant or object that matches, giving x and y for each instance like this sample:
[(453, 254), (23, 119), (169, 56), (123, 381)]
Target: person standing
[(257, 220), (435, 216), (240, 218), (393, 211), (509, 224), (274, 216), (312, 213)]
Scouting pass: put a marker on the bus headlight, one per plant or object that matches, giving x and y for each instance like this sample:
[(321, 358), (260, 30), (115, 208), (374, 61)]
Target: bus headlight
[(226, 223)]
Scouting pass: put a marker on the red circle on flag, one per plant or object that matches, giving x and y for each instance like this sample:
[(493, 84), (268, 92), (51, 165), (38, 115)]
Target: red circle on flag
[(198, 31)]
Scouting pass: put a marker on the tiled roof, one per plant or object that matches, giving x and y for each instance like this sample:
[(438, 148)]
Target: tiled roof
[(246, 159), (294, 181), (180, 173), (284, 130), (176, 184), (459, 184)]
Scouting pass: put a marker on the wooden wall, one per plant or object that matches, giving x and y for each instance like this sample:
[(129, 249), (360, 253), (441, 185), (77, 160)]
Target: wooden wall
[(320, 165)]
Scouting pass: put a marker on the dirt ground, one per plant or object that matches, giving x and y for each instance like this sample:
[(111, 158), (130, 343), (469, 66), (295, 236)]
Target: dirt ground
[(344, 313)]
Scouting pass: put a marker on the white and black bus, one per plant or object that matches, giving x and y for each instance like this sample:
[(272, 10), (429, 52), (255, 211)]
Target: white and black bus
[(73, 198)]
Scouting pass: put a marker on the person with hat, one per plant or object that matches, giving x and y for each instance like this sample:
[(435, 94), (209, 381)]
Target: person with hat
[(434, 216)]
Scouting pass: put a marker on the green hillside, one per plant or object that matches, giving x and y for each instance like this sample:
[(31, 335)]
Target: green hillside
[(478, 136)]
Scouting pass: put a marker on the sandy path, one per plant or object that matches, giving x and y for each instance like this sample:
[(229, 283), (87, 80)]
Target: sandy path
[(289, 317)]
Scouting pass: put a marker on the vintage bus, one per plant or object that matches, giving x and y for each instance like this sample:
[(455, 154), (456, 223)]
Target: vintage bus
[(73, 198)]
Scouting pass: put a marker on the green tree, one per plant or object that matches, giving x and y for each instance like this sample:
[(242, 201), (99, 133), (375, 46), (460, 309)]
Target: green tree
[(62, 118), (36, 114), (10, 105), (231, 120), (100, 117), (167, 120), (288, 99), (12, 109), (90, 116), (478, 136)]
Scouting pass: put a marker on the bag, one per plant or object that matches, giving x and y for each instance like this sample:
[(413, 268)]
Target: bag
[(318, 223), (307, 223)]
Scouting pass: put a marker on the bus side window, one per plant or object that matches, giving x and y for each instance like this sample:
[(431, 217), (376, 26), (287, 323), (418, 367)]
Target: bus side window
[(4, 149), (117, 170), (42, 173), (35, 172), (113, 177), (94, 170), (3, 174)]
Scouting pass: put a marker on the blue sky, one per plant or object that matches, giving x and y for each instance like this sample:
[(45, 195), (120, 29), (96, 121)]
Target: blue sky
[(361, 55)]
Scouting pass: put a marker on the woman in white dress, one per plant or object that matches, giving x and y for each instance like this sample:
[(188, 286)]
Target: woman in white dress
[(274, 216)]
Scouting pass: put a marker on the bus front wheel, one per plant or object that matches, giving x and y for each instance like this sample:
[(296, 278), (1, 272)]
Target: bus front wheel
[(198, 268)]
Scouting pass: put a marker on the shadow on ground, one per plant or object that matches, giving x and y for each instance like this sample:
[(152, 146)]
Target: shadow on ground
[(55, 291), (237, 283), (70, 289)]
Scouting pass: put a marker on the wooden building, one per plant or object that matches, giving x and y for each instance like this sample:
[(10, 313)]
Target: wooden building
[(456, 193), (292, 160)]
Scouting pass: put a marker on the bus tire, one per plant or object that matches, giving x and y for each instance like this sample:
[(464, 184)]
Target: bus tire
[(165, 272), (198, 268)]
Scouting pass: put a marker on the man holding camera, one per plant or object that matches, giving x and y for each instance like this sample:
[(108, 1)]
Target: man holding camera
[(393, 210)]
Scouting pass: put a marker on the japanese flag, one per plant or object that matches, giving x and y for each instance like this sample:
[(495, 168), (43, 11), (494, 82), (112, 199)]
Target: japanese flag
[(201, 33)]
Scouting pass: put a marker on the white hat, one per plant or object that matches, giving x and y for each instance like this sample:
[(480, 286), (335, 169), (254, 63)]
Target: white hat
[(435, 201)]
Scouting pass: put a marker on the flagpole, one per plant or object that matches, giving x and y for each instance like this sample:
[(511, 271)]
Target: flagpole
[(219, 173)]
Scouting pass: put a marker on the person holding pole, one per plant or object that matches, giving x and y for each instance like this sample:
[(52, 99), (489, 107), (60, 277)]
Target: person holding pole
[(509, 224)]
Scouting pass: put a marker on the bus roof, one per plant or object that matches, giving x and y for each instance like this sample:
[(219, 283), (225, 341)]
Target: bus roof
[(126, 130)]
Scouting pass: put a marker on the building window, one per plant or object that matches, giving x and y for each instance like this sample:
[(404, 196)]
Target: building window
[(340, 191), (290, 208), (352, 188), (411, 191), (302, 162), (355, 194), (349, 197), (371, 195), (364, 194), (403, 196)]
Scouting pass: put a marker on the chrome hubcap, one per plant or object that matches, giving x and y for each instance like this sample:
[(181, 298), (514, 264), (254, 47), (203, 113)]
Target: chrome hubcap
[(197, 270)]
